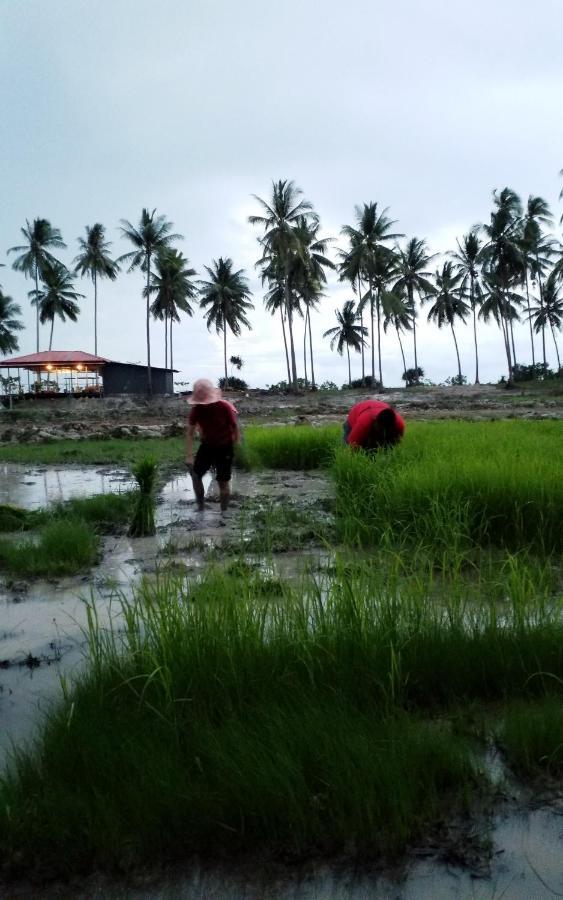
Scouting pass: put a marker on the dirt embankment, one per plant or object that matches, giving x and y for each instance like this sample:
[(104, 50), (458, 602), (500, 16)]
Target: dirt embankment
[(126, 417)]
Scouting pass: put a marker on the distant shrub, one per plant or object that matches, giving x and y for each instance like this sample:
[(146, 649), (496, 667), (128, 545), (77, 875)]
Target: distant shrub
[(413, 377), (368, 382), (327, 386), (537, 372), (233, 384), (455, 379)]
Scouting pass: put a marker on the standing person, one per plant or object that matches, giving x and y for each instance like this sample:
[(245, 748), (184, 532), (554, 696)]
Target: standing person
[(216, 421), (373, 424)]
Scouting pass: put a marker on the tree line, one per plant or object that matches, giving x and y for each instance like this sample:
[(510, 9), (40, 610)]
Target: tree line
[(507, 271)]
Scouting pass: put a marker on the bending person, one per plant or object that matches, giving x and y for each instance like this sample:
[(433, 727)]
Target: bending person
[(216, 421), (372, 424)]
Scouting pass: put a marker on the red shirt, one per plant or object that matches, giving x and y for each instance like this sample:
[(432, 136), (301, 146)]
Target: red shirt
[(360, 419), (217, 422)]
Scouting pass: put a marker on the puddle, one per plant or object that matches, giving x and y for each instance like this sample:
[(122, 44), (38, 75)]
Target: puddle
[(43, 620)]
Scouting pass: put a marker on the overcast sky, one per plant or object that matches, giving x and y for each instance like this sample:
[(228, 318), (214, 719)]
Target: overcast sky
[(192, 106)]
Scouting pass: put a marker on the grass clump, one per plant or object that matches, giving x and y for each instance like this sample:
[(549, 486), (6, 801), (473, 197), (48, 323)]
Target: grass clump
[(13, 518), (143, 522), (62, 547), (288, 447), (532, 736)]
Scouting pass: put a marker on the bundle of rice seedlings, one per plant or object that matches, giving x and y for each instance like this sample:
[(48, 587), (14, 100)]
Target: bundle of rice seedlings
[(142, 522)]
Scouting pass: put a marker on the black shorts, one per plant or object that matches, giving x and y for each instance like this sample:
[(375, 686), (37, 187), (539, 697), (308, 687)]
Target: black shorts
[(218, 458)]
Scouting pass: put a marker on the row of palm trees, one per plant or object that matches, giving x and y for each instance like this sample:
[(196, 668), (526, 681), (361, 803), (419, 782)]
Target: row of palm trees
[(490, 276), (224, 297)]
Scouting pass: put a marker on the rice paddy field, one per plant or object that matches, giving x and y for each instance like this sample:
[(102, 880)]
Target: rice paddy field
[(345, 710)]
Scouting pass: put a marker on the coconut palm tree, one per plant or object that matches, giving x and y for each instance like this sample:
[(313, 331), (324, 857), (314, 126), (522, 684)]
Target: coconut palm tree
[(369, 236), (152, 235), (412, 267), (57, 297), (500, 305), (537, 250), (396, 313), (504, 263), (274, 301), (280, 243), (550, 311), (172, 282), (449, 304), (351, 269), (40, 238), (467, 260), (225, 299), (348, 333), (308, 277), (94, 260), (9, 323), (383, 268)]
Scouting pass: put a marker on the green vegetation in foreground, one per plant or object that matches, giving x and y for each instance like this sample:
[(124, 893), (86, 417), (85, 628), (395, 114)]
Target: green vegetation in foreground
[(63, 547), (119, 451), (452, 486), (288, 447), (532, 736), (67, 534), (312, 720)]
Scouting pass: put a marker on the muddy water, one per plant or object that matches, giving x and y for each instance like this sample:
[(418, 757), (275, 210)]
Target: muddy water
[(42, 622)]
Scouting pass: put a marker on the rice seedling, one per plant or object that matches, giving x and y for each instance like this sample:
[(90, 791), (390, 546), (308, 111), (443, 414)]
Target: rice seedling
[(142, 522), (531, 734), (288, 447), (62, 547), (211, 716)]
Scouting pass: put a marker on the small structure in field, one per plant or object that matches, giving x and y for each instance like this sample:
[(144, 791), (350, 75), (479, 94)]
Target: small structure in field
[(55, 373)]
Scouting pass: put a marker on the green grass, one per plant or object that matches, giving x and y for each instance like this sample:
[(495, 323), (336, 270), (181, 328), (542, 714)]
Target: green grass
[(63, 547), (166, 451), (288, 447), (457, 485), (532, 736), (215, 719), (106, 512)]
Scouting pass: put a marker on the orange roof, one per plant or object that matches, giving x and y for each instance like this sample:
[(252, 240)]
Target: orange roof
[(53, 357)]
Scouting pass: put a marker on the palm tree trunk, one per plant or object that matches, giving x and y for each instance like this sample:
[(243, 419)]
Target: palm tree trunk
[(290, 327), (95, 314), (530, 321), (401, 346), (413, 311), (51, 335), (285, 347), (362, 324), (149, 374), (171, 356), (349, 369), (556, 348), (313, 385), (372, 335), (512, 342), (457, 353), (475, 330), (225, 352), (37, 307), (541, 307), (305, 349), (165, 340), (378, 306), (506, 337)]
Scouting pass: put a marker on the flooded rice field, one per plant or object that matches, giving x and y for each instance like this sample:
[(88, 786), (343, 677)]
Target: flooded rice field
[(42, 621), (42, 638)]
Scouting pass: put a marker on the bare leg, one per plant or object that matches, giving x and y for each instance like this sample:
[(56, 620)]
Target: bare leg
[(224, 494), (198, 490)]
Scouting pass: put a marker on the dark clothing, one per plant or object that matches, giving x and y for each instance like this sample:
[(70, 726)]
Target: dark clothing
[(217, 422), (358, 429), (218, 458)]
